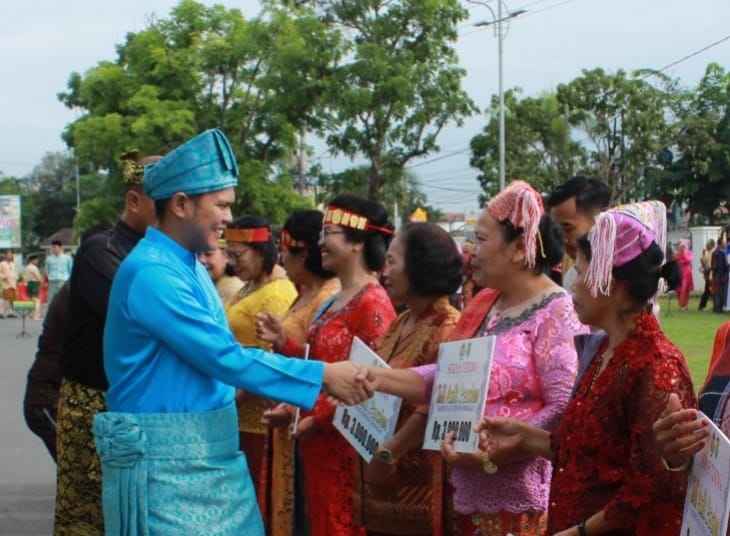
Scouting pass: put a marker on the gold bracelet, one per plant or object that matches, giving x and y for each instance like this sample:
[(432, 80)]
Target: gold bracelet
[(682, 467), (487, 465)]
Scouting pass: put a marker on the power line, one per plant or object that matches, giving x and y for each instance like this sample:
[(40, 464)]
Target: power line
[(528, 14), (437, 158), (546, 8), (695, 53)]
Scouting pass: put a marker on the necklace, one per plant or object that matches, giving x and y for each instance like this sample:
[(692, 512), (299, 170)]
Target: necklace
[(606, 356)]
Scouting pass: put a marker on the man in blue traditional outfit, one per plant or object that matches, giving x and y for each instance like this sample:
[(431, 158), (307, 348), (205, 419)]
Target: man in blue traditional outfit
[(169, 442)]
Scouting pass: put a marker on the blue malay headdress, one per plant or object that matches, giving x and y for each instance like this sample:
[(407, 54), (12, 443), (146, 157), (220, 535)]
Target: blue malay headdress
[(204, 164)]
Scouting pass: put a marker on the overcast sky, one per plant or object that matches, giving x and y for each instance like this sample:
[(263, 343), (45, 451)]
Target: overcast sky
[(43, 41)]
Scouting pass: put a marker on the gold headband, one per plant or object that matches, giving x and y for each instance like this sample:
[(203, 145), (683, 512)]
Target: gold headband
[(288, 241), (345, 218), (132, 172)]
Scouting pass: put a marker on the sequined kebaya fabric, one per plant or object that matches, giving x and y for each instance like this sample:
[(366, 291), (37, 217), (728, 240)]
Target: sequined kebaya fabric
[(606, 458)]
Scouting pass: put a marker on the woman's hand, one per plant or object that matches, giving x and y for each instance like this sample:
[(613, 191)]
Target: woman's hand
[(678, 433), (306, 429), (277, 417), (458, 459), (510, 440), (269, 329)]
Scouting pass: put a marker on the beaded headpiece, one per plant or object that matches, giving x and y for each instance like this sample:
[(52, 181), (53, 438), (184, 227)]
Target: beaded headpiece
[(619, 236), (521, 205)]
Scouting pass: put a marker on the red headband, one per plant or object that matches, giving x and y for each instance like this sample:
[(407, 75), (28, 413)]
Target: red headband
[(288, 241), (345, 218), (255, 234)]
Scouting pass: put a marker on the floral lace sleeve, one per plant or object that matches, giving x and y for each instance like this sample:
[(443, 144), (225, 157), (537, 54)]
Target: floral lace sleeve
[(555, 361), (428, 373)]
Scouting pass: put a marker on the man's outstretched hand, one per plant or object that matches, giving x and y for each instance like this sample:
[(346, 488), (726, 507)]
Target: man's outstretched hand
[(347, 383)]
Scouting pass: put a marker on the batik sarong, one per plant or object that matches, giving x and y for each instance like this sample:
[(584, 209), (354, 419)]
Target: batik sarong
[(78, 474), (177, 473)]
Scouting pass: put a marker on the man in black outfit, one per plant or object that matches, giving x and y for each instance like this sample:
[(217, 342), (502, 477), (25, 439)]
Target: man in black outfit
[(706, 270), (84, 384), (719, 276)]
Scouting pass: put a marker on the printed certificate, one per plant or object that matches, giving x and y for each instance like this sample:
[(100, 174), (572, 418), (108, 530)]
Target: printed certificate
[(368, 425), (459, 392), (706, 506)]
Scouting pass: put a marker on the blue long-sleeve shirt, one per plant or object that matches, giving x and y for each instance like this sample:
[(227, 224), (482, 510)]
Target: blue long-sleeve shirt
[(168, 348)]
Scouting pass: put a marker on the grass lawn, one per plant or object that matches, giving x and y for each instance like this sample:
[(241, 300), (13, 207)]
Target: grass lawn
[(693, 332)]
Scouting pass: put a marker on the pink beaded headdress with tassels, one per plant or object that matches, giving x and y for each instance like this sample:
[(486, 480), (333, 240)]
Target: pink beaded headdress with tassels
[(521, 205), (619, 236)]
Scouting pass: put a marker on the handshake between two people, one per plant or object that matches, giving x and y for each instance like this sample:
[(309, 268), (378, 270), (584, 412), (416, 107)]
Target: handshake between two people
[(345, 382)]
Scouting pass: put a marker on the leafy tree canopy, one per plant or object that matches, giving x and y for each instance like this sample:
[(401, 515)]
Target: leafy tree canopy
[(398, 83), (260, 80), (540, 149)]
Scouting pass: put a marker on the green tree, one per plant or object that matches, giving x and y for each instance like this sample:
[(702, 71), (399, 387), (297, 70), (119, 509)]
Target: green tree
[(398, 83), (538, 149), (261, 80), (51, 188), (405, 193), (698, 166), (625, 120)]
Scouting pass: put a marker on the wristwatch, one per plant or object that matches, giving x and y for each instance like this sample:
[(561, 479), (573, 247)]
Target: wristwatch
[(386, 456), (488, 466)]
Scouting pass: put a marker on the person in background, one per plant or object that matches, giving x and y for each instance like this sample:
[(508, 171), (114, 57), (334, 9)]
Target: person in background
[(609, 477), (9, 277), (353, 242), (533, 370), (33, 278), (165, 321), (302, 260), (706, 271), (574, 205), (221, 272), (679, 433), (683, 256), (251, 247), (401, 491), (720, 267), (468, 288), (40, 402), (84, 383), (58, 268)]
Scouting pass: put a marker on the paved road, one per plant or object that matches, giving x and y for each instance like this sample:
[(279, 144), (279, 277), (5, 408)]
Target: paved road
[(27, 472)]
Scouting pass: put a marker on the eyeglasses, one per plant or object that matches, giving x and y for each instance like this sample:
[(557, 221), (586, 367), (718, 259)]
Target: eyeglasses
[(324, 233), (235, 255)]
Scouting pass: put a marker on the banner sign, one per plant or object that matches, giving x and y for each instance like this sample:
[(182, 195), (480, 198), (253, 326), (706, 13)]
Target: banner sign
[(10, 221)]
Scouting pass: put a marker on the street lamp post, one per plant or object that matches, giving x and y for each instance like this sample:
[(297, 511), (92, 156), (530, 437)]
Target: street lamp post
[(500, 31)]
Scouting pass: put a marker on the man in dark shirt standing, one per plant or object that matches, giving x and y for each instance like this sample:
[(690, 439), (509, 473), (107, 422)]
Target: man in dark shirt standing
[(719, 266), (40, 403), (84, 384)]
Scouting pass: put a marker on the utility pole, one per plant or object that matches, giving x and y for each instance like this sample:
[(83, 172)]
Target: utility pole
[(500, 32)]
